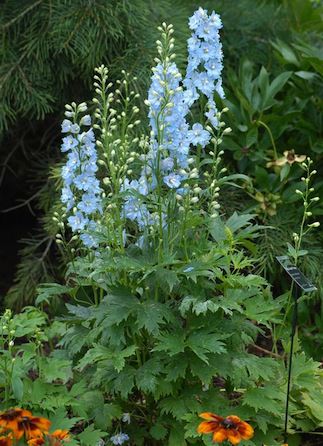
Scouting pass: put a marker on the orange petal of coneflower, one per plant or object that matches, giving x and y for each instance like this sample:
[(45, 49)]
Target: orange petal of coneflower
[(220, 435), (233, 436), (246, 431), (206, 427), (210, 416)]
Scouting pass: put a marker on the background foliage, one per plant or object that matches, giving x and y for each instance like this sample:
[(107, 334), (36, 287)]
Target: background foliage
[(272, 78)]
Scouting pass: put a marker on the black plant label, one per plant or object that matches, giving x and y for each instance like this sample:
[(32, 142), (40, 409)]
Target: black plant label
[(297, 276)]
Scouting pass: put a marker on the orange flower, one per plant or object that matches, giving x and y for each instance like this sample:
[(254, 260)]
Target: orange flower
[(58, 437), (230, 428), (10, 419), (21, 422), (5, 441), (61, 434), (37, 441)]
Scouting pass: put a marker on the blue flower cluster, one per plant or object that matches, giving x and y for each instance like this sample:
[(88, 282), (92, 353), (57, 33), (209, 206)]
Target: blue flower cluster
[(204, 61), (81, 190), (133, 207), (167, 108), (170, 99), (119, 438)]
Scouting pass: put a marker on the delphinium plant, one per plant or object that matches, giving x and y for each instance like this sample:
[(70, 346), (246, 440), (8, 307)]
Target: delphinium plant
[(166, 308)]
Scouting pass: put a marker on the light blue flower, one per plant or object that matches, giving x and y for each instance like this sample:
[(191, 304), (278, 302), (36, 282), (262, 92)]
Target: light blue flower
[(81, 189), (90, 203), (119, 438), (73, 159), (78, 221), (87, 137), (69, 142), (66, 126), (204, 83), (85, 182), (205, 56), (75, 128), (167, 164), (67, 197), (68, 173), (137, 211), (197, 18), (173, 180), (89, 240), (140, 186), (199, 135)]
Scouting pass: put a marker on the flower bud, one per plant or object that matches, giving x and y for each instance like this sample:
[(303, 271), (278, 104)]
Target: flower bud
[(316, 224)]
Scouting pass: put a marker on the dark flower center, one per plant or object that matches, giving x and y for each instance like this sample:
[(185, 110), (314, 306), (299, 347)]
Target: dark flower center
[(10, 414), (227, 424), (291, 155)]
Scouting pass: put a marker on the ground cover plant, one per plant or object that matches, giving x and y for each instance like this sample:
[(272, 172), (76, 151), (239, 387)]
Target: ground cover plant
[(167, 317)]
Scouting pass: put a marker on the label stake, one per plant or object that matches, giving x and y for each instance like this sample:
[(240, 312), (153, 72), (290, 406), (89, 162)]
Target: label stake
[(306, 286)]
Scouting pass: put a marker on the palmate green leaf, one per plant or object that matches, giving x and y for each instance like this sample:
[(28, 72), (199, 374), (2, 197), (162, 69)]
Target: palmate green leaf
[(176, 367), (175, 406), (101, 353), (60, 420), (173, 343), (124, 381), (54, 369), (118, 359), (95, 354), (197, 306), (202, 370), (194, 270), (163, 388), (91, 436), (314, 402), (204, 343), (168, 277), (250, 280), (150, 315), (75, 338), (305, 371), (146, 376), (227, 303), (180, 405), (104, 416), (265, 368), (263, 310), (268, 398), (117, 307)]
